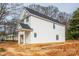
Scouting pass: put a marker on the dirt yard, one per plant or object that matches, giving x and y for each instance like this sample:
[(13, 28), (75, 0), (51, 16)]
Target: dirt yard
[(69, 48)]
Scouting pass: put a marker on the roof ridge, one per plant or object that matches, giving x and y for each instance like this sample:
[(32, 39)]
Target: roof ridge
[(41, 15)]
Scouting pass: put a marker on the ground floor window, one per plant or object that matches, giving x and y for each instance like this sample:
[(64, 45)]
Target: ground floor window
[(35, 35), (57, 37)]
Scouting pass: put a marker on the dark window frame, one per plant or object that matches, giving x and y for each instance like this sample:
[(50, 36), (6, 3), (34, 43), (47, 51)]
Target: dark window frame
[(35, 35), (53, 25), (57, 37), (0, 27), (27, 19)]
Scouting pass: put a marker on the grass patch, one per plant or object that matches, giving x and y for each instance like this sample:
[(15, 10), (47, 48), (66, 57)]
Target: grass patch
[(2, 50)]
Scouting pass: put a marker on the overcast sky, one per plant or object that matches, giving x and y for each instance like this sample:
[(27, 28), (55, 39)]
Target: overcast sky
[(63, 7)]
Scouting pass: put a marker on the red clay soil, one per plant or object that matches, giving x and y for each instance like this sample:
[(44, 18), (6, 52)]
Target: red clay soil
[(69, 48)]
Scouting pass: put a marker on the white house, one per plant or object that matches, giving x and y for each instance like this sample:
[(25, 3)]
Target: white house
[(35, 27)]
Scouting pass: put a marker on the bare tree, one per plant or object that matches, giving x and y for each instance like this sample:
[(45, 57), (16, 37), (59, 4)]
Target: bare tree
[(50, 11), (15, 10), (3, 11), (63, 17)]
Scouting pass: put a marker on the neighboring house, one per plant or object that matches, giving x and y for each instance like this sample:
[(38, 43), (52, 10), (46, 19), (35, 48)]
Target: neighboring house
[(7, 31), (11, 34), (35, 27), (2, 32), (2, 28)]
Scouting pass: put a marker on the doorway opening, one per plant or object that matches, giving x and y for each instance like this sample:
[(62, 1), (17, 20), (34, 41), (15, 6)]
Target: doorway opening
[(21, 39)]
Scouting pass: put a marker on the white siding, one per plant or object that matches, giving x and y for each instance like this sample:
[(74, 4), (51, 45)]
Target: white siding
[(45, 31)]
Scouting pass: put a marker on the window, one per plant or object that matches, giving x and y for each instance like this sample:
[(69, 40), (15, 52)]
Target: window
[(35, 35), (0, 27), (57, 37), (27, 19), (53, 25)]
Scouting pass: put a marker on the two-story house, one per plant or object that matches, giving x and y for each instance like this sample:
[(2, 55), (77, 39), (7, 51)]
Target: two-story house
[(35, 27)]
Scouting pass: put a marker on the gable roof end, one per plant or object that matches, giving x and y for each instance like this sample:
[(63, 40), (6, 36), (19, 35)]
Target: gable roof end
[(41, 15)]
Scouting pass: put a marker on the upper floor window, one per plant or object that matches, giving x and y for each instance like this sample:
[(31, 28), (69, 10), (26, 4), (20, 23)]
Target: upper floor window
[(57, 37), (27, 19), (53, 25)]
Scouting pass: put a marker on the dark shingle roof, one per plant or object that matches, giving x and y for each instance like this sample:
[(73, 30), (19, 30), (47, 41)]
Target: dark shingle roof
[(25, 26), (41, 15)]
